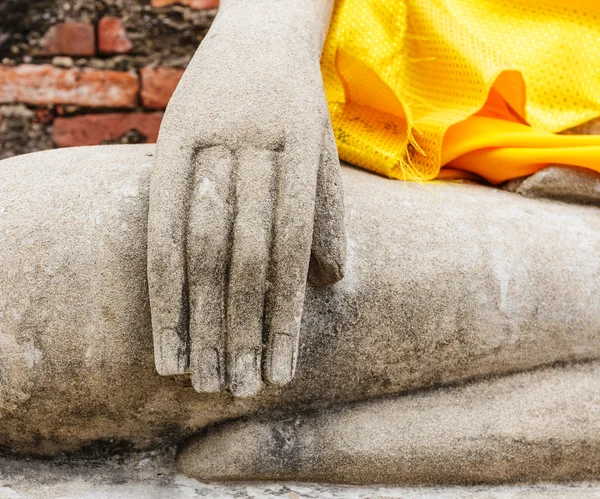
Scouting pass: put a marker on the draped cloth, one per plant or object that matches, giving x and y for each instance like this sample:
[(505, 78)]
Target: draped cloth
[(479, 86)]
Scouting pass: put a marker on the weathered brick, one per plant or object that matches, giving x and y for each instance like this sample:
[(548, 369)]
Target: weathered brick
[(95, 129), (70, 38), (194, 4), (45, 84), (158, 84), (112, 36)]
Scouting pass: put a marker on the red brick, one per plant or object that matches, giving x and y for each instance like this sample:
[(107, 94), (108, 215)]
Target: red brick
[(194, 4), (112, 36), (45, 84), (158, 84), (70, 39), (95, 129)]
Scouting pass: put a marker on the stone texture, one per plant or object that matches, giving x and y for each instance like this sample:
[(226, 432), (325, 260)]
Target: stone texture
[(19, 128), (169, 35), (194, 4), (45, 84), (542, 426), (112, 36), (70, 38), (96, 129), (245, 196), (151, 476), (158, 85), (163, 37), (562, 183), (591, 127), (444, 284)]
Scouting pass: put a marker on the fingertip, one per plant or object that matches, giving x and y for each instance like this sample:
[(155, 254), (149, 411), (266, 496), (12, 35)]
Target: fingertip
[(281, 363), (328, 252), (325, 272), (207, 376), (170, 352), (166, 369), (245, 377)]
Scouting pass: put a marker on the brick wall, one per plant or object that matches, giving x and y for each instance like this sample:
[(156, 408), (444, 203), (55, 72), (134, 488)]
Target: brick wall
[(84, 72)]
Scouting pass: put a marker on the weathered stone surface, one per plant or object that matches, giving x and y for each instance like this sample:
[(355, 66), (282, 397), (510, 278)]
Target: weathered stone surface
[(19, 128), (445, 283), (244, 199), (591, 127), (541, 426), (562, 183), (152, 476)]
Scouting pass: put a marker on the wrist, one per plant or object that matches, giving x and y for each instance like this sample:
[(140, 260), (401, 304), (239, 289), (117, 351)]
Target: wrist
[(298, 25)]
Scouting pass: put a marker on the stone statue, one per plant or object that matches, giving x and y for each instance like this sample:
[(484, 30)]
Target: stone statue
[(461, 345), (246, 191), (246, 199), (473, 310)]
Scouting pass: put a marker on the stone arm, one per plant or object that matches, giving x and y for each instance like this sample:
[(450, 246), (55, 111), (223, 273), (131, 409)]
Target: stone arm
[(245, 195)]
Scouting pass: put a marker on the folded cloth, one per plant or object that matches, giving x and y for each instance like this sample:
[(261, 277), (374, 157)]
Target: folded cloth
[(481, 86)]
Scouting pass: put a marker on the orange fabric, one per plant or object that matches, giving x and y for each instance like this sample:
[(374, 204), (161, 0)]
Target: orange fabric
[(497, 144), (498, 150), (413, 85)]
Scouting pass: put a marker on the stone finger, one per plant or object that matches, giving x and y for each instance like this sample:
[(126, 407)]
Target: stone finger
[(208, 246), (294, 217), (249, 262), (328, 252), (169, 191)]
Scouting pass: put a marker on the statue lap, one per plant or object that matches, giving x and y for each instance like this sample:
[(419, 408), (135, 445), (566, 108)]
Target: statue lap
[(446, 283)]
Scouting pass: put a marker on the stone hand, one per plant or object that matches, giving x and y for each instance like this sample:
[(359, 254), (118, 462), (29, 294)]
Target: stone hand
[(245, 192)]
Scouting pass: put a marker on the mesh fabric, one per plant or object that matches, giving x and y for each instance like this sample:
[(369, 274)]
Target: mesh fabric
[(399, 73)]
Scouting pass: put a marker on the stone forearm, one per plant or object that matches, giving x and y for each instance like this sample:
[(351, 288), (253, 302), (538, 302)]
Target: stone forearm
[(292, 20)]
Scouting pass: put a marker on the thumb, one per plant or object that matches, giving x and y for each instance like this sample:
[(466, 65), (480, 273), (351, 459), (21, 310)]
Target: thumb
[(328, 252)]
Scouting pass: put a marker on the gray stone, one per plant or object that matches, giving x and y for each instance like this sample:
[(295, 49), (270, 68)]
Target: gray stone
[(591, 127), (246, 192), (462, 347), (561, 183), (151, 476), (542, 426), (444, 284)]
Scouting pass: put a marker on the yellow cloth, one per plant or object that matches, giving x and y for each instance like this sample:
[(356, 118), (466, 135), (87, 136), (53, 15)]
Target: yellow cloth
[(404, 79)]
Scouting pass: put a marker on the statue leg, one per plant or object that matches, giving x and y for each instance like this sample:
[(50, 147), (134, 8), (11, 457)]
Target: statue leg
[(445, 283), (537, 426)]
